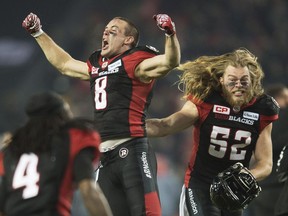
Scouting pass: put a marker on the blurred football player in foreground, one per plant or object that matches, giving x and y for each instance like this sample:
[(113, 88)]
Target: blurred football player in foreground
[(46, 158), (232, 120)]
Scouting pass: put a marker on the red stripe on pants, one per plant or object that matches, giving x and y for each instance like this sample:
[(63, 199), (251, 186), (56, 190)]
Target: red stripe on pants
[(152, 204)]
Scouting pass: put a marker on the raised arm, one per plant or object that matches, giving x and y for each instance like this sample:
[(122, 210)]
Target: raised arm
[(262, 165), (57, 56), (160, 65), (174, 123)]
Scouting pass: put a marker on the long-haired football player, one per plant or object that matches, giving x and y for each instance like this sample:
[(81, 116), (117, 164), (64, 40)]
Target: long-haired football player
[(232, 120)]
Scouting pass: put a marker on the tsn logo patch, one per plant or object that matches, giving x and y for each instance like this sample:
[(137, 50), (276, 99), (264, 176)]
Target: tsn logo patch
[(221, 109)]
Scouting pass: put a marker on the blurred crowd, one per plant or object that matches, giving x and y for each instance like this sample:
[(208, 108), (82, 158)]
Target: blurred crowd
[(203, 27)]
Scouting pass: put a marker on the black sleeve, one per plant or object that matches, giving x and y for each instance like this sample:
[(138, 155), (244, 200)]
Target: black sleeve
[(83, 165)]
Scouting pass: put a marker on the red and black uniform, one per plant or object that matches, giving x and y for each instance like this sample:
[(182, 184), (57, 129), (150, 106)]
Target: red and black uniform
[(120, 99), (128, 173), (41, 184), (222, 137)]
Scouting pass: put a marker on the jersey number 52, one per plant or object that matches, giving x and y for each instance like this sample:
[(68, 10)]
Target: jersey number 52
[(219, 143)]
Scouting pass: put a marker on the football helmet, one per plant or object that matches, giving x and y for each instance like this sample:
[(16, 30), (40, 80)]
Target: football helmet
[(234, 188)]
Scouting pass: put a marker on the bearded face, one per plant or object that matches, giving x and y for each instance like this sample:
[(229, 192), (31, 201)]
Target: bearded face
[(236, 86)]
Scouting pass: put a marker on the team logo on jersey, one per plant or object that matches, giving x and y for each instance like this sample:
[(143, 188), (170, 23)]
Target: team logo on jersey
[(221, 109), (104, 65), (123, 152), (94, 70), (251, 115)]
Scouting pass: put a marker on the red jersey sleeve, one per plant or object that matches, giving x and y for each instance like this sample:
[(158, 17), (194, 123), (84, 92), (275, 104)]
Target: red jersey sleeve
[(2, 172), (82, 139), (133, 60)]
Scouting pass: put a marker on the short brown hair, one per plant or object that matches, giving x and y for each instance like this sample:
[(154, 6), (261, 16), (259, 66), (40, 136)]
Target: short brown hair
[(131, 30)]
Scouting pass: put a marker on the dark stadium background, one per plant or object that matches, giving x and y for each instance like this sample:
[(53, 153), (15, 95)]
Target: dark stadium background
[(204, 28)]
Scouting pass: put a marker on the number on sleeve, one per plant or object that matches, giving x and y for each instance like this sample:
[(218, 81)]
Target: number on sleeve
[(26, 175)]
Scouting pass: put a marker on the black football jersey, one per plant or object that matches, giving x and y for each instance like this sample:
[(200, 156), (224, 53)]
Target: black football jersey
[(42, 183), (120, 99), (222, 137)]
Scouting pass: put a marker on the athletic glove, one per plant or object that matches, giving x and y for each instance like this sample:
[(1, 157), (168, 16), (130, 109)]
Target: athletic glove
[(165, 23), (33, 25)]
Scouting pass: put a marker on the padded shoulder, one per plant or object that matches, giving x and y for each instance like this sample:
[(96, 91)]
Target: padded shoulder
[(268, 105), (146, 48)]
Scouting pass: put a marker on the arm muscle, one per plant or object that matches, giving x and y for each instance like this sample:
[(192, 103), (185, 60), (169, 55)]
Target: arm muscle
[(61, 60)]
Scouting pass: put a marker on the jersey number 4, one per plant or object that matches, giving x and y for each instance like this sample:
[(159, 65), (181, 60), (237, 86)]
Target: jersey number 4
[(26, 175), (219, 143)]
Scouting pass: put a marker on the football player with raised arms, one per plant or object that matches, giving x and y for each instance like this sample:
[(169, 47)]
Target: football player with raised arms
[(232, 120), (122, 75)]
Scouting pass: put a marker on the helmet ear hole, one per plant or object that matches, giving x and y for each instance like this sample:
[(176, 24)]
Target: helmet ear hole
[(234, 188)]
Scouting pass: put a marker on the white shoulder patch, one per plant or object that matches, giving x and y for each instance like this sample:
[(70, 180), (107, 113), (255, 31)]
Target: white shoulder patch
[(152, 48), (275, 102)]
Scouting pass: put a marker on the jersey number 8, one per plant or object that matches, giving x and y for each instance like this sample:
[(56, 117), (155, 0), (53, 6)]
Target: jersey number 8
[(100, 93)]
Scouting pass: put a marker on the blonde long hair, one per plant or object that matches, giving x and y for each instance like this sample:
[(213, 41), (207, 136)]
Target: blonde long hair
[(201, 76)]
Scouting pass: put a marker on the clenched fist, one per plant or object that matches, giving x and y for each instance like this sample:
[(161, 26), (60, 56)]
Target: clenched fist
[(165, 23), (33, 25)]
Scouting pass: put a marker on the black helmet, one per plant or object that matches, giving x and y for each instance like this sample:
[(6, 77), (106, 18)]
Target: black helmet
[(45, 104), (234, 188)]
